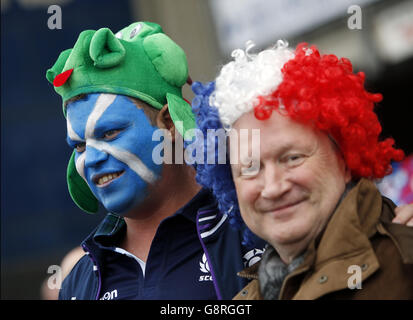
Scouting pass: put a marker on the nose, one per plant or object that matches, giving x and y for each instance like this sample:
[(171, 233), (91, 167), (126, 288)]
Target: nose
[(94, 156), (275, 182)]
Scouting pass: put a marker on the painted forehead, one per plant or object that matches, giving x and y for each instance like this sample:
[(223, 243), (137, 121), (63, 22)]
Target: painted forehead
[(84, 116)]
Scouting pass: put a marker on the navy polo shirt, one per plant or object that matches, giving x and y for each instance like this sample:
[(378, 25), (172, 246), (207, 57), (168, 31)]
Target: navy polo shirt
[(176, 267)]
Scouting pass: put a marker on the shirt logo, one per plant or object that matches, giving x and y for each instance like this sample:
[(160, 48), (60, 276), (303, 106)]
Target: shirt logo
[(252, 257), (110, 295), (204, 267)]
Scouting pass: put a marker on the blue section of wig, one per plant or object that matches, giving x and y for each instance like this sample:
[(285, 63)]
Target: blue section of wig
[(216, 177)]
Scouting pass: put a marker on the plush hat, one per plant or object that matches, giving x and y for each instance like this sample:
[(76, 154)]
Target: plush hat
[(140, 61)]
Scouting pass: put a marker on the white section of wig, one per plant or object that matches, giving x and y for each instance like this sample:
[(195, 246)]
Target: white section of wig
[(249, 76)]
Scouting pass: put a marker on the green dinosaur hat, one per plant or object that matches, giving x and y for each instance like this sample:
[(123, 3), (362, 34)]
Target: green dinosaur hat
[(139, 61)]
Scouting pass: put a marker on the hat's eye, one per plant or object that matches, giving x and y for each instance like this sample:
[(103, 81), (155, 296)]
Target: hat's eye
[(135, 31), (118, 35)]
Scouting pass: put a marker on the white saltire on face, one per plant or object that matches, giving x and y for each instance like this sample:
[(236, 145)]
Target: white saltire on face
[(113, 142)]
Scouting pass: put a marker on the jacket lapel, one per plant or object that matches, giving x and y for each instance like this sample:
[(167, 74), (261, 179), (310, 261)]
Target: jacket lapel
[(344, 247)]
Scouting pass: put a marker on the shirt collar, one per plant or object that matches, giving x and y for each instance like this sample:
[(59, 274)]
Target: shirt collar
[(190, 210), (111, 230)]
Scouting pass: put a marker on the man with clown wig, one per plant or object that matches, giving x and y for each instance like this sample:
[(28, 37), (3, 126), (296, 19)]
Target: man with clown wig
[(307, 185)]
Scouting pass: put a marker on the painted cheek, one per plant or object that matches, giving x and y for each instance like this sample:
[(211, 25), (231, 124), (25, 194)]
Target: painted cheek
[(138, 141), (93, 156), (123, 194), (137, 136), (80, 164), (77, 116), (147, 144), (136, 194)]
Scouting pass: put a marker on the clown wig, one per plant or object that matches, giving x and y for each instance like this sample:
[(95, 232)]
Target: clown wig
[(317, 89)]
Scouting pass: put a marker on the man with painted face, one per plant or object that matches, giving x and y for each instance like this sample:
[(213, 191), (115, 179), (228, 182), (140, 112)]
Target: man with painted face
[(306, 185), (163, 236)]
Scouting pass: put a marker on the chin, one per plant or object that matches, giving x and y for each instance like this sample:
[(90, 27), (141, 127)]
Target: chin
[(121, 200), (288, 234), (124, 205), (118, 203), (120, 209)]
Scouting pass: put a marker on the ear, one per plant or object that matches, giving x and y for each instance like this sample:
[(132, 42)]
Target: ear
[(105, 49), (164, 121)]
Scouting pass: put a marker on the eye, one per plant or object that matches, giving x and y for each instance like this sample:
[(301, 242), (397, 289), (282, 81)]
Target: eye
[(111, 134), (118, 35), (294, 159), (80, 147)]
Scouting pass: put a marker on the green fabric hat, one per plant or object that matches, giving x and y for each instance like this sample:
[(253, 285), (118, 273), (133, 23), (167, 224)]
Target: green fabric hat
[(139, 61)]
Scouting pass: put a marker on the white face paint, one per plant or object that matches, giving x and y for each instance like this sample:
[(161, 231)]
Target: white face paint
[(113, 142)]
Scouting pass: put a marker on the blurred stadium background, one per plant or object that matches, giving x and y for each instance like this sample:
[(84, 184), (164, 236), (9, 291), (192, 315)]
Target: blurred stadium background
[(39, 222)]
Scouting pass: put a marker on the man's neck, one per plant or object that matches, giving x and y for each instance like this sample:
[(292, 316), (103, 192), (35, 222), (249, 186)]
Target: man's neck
[(289, 251), (176, 188)]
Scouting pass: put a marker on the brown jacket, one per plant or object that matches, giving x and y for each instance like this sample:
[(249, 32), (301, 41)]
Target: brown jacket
[(359, 233)]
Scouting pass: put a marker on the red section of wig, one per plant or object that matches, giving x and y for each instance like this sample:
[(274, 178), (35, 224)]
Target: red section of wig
[(324, 91)]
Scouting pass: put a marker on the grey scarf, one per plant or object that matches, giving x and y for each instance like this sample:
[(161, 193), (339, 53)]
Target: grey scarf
[(272, 272)]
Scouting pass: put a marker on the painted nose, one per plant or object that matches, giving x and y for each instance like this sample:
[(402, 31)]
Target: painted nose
[(94, 156), (276, 183)]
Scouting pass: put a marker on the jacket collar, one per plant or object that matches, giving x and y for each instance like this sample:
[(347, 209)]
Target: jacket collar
[(351, 225)]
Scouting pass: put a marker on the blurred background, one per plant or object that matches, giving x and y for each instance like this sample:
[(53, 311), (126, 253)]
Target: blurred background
[(39, 221)]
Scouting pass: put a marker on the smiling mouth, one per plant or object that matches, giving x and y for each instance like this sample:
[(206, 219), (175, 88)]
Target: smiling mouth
[(104, 179), (281, 210)]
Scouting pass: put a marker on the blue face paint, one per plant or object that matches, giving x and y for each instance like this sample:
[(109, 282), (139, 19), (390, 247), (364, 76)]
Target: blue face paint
[(113, 141)]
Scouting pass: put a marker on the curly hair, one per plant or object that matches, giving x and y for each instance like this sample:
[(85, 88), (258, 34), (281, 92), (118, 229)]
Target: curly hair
[(216, 177), (324, 91)]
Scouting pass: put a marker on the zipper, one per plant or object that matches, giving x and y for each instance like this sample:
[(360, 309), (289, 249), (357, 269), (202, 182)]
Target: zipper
[(211, 268), (97, 270), (247, 276)]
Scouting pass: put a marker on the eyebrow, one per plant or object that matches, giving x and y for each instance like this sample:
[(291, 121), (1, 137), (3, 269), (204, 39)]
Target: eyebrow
[(108, 124), (280, 149)]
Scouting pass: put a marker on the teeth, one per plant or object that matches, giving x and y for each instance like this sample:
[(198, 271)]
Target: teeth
[(107, 178)]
